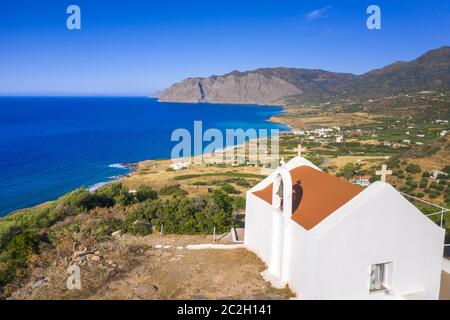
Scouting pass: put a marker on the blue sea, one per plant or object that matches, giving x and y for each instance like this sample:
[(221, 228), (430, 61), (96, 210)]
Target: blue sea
[(50, 146)]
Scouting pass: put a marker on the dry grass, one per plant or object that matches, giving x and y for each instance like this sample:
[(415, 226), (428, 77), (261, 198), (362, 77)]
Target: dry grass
[(298, 118), (366, 162), (156, 174), (436, 161)]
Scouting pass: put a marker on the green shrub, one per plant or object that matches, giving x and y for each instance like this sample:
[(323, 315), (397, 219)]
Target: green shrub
[(140, 228), (92, 200), (423, 183), (349, 171), (228, 188), (83, 200), (13, 259), (243, 183), (446, 169), (174, 190), (117, 193), (181, 215), (413, 168), (199, 183), (238, 203), (104, 229), (23, 245), (144, 193), (393, 162), (412, 184), (433, 195)]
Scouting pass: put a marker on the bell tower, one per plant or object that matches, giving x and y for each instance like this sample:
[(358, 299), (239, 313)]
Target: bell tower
[(282, 205)]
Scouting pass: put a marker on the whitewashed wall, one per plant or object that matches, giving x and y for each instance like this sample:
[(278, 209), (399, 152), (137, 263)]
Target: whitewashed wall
[(258, 227), (384, 227), (303, 249), (332, 260)]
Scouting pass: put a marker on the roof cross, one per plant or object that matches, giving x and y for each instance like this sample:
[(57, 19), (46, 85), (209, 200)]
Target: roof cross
[(300, 150), (383, 173)]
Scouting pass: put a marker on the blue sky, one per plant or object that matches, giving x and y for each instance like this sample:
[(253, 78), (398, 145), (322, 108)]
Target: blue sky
[(136, 47)]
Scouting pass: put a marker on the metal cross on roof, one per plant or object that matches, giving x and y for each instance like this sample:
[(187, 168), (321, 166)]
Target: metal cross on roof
[(300, 150), (383, 173)]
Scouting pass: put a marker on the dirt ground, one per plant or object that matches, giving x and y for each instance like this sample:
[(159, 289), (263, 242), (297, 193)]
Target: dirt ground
[(445, 286), (154, 267), (298, 118), (147, 268), (366, 162), (436, 161)]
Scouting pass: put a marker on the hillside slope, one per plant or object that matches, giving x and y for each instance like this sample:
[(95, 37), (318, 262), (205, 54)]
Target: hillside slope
[(431, 71)]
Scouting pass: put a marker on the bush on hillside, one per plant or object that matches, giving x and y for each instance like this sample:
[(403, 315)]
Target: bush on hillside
[(104, 229), (413, 168), (228, 188), (144, 193), (174, 190), (14, 257), (446, 169)]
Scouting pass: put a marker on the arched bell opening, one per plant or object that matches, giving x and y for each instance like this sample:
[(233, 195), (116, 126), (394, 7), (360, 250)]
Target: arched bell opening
[(297, 195)]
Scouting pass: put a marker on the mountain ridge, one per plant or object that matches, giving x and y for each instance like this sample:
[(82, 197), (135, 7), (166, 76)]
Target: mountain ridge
[(430, 71)]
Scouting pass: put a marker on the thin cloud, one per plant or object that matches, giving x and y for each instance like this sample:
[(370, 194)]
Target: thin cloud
[(318, 13)]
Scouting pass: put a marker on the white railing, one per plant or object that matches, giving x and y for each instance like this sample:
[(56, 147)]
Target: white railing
[(441, 212)]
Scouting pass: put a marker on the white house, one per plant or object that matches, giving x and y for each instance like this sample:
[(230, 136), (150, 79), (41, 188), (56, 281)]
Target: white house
[(329, 239), (179, 165), (299, 132), (363, 181), (406, 141), (434, 174)]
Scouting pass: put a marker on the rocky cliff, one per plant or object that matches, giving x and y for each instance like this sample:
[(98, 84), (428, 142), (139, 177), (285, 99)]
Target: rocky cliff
[(235, 87)]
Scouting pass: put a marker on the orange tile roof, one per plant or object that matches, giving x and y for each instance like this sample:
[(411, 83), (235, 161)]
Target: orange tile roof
[(315, 195)]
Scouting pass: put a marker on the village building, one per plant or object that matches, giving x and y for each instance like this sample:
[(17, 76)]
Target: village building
[(323, 132), (298, 132), (179, 165), (363, 181), (434, 174), (329, 239)]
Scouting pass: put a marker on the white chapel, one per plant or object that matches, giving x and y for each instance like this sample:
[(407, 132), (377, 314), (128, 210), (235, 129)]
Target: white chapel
[(329, 239)]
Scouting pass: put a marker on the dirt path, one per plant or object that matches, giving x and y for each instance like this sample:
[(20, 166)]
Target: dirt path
[(445, 286), (139, 268)]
